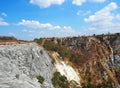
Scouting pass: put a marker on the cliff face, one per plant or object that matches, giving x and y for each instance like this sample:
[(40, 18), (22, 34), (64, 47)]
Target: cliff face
[(116, 56), (96, 57), (21, 63), (100, 57)]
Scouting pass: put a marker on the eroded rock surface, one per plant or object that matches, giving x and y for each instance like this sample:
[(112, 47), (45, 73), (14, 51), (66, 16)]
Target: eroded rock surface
[(21, 63)]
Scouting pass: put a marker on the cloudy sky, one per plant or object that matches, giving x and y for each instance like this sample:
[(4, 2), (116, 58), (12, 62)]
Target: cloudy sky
[(29, 19)]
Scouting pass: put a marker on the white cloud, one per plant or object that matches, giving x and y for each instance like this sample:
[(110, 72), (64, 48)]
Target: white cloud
[(45, 31), (37, 25), (31, 30), (87, 12), (3, 23), (79, 12), (98, 1), (28, 31), (4, 14), (92, 29), (46, 3), (102, 17), (118, 16), (11, 34), (24, 30), (103, 20), (78, 2)]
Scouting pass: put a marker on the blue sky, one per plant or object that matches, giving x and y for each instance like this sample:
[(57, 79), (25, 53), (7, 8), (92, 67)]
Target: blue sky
[(29, 19)]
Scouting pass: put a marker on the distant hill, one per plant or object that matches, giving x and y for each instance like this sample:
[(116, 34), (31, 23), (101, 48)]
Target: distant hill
[(7, 38)]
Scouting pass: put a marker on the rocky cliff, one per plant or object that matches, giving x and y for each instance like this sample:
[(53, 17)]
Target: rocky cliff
[(96, 57), (20, 64), (77, 62), (99, 58)]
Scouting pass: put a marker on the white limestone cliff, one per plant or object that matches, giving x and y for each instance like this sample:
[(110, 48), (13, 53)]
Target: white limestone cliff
[(21, 63)]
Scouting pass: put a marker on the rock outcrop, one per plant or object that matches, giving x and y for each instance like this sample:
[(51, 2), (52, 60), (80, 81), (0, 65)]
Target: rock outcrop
[(21, 63), (96, 57)]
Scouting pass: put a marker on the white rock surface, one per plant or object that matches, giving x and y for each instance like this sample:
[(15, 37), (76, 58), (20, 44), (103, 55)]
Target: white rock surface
[(21, 63), (67, 71)]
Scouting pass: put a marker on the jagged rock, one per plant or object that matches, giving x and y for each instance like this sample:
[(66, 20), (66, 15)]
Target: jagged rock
[(21, 63)]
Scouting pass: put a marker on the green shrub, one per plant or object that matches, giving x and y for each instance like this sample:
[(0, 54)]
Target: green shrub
[(60, 81), (49, 45), (101, 85), (40, 79), (39, 41), (89, 85)]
